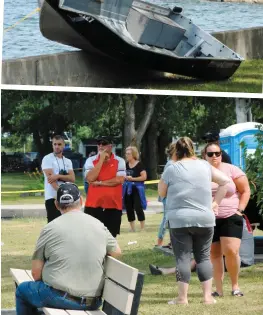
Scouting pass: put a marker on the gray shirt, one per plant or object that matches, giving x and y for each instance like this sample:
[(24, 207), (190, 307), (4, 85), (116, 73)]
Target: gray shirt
[(74, 247), (189, 196)]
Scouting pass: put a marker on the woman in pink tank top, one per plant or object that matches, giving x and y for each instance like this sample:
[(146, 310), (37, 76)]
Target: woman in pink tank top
[(229, 221)]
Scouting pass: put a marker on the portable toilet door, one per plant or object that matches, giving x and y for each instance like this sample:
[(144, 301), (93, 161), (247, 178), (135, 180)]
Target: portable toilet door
[(231, 138)]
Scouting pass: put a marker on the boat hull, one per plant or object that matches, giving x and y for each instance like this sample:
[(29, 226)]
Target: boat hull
[(95, 37)]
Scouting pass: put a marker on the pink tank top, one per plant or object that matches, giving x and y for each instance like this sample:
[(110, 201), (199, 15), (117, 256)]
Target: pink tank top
[(230, 203)]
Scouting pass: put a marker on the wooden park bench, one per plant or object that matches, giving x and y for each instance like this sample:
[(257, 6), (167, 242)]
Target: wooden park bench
[(121, 293)]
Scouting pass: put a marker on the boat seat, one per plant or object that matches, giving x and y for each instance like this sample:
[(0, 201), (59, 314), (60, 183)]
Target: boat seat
[(148, 28)]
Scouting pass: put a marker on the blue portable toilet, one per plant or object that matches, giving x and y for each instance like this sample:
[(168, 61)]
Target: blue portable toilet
[(231, 137)]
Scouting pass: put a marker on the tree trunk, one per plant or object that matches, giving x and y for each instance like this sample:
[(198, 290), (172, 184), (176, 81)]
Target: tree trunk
[(151, 151), (243, 110), (131, 135)]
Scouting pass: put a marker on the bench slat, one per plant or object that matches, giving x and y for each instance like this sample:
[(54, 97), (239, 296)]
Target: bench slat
[(29, 272), (19, 275), (117, 296), (55, 311), (121, 273)]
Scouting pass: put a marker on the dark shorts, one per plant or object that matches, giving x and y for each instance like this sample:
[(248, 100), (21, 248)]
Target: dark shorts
[(52, 211), (111, 218), (228, 227)]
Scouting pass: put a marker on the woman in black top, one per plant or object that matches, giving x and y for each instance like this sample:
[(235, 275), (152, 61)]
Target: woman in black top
[(136, 174)]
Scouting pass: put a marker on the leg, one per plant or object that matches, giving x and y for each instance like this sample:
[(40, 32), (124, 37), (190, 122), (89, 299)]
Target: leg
[(112, 220), (52, 211), (182, 245), (201, 248), (230, 248), (218, 267), (95, 212), (138, 207), (230, 244), (128, 199)]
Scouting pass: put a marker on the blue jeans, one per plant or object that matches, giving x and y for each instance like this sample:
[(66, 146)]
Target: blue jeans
[(32, 295), (162, 227), (86, 187)]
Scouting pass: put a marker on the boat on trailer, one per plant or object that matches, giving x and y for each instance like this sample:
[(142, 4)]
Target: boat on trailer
[(139, 33)]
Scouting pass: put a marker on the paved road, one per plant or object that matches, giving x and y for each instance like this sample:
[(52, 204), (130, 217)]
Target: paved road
[(38, 210)]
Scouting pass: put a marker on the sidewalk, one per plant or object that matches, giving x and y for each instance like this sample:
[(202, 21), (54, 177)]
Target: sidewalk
[(38, 210)]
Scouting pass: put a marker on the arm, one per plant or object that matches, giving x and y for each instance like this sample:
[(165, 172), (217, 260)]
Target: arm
[(116, 252), (115, 181), (92, 172), (113, 248), (244, 191), (141, 178), (222, 180), (67, 178), (162, 188), (49, 172), (37, 267)]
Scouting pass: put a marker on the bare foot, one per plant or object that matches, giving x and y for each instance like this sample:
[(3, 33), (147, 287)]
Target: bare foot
[(176, 301), (210, 301)]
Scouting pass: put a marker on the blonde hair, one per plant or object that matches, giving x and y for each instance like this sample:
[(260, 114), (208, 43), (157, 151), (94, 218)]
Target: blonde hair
[(134, 151), (184, 147), (170, 150)]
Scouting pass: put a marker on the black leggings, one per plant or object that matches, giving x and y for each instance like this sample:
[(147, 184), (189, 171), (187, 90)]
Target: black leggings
[(52, 211), (133, 203)]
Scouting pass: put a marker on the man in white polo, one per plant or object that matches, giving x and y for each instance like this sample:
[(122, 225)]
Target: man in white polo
[(57, 169)]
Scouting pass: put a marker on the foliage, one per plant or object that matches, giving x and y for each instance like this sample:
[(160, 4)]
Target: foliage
[(254, 170), (37, 180)]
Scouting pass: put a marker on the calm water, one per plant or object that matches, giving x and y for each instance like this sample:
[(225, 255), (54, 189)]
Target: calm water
[(26, 40)]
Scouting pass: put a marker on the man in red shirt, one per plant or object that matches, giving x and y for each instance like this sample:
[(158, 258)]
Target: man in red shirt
[(105, 172)]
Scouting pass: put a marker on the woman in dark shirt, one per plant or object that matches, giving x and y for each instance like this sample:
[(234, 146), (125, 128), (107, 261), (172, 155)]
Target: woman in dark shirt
[(134, 194)]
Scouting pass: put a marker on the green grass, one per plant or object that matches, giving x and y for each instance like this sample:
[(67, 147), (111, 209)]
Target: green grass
[(20, 235), (247, 79), (22, 182)]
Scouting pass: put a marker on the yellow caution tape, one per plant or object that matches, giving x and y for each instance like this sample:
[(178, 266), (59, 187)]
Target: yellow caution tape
[(21, 20), (80, 187)]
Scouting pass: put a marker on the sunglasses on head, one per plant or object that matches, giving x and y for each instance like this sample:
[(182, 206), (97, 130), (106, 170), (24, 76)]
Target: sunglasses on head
[(210, 154)]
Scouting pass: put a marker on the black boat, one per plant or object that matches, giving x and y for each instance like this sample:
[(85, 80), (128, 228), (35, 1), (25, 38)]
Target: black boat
[(138, 33)]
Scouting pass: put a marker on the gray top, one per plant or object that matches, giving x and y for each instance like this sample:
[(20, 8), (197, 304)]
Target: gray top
[(189, 196), (74, 247)]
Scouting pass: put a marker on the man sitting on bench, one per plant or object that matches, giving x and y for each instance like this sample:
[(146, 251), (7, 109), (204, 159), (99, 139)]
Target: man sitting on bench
[(68, 262)]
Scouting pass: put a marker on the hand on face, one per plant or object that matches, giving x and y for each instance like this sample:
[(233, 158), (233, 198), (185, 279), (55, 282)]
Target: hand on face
[(104, 155)]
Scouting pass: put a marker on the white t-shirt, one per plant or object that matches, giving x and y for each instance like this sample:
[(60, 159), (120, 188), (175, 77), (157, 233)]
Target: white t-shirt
[(56, 164)]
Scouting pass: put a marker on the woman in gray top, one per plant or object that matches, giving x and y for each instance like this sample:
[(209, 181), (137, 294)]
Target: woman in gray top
[(191, 215)]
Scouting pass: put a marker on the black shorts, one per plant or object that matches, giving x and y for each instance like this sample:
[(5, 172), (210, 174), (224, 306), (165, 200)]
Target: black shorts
[(111, 218), (228, 227)]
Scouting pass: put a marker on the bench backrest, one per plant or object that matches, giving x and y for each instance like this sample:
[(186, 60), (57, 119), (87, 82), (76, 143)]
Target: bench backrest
[(119, 285)]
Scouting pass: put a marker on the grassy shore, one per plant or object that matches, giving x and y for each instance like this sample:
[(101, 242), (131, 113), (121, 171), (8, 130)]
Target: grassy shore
[(247, 79), (19, 237)]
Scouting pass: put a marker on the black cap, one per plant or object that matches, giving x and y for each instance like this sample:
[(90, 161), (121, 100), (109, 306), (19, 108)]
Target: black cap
[(104, 140), (67, 193), (211, 136)]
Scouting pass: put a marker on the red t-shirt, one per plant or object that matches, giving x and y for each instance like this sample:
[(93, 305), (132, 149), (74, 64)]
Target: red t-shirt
[(103, 196)]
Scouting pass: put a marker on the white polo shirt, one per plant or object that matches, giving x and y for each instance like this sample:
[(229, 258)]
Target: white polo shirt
[(51, 161)]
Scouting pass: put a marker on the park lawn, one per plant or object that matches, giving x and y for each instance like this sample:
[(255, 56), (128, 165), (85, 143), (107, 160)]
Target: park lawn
[(19, 237), (22, 182), (247, 79)]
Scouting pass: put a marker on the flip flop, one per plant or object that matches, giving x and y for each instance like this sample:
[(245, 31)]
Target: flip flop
[(155, 270), (216, 294), (237, 293)]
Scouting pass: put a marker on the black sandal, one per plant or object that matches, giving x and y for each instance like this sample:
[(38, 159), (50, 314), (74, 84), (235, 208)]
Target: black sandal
[(237, 293), (155, 270), (216, 294)]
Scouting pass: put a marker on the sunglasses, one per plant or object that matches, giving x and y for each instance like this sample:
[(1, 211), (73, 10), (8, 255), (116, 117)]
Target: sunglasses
[(211, 154), (103, 143)]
